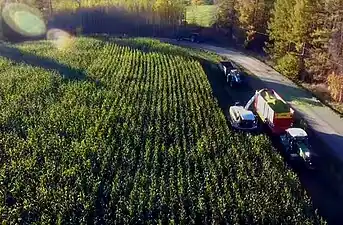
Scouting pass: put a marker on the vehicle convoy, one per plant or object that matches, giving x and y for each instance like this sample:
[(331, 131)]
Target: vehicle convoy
[(279, 117), (232, 73), (242, 119)]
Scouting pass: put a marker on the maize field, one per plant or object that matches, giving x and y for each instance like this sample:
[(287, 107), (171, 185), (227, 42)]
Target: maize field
[(128, 131)]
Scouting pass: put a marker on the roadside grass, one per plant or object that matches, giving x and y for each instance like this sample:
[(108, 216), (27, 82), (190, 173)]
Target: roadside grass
[(203, 15), (321, 92), (318, 91)]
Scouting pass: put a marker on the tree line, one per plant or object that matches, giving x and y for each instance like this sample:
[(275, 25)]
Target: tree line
[(304, 37)]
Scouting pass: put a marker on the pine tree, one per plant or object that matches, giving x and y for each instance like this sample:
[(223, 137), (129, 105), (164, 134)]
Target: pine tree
[(280, 26), (334, 9), (292, 30), (169, 12)]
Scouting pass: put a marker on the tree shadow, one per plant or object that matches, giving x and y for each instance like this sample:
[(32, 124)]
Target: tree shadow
[(18, 56), (329, 191), (68, 73), (116, 21)]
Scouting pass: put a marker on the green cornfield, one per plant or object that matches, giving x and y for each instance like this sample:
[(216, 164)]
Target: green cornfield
[(125, 131)]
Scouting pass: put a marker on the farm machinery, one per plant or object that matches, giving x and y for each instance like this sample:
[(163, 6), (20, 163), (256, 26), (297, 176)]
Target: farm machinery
[(232, 73), (242, 119), (274, 112)]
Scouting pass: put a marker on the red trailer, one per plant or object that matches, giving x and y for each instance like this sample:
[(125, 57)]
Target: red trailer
[(279, 116), (272, 110)]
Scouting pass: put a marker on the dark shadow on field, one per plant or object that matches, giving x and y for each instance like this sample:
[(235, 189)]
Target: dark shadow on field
[(329, 176), (17, 56), (319, 185)]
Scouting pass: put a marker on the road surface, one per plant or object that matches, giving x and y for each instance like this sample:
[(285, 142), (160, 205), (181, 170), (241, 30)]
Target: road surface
[(318, 184)]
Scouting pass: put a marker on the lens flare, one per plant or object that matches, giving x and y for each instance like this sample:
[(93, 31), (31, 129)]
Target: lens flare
[(60, 38), (24, 19)]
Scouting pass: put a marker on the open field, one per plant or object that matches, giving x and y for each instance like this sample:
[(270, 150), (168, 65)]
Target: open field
[(129, 131), (203, 15)]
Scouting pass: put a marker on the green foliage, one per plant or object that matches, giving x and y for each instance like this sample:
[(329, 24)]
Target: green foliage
[(294, 27), (139, 139), (227, 15), (289, 66), (169, 12), (254, 14), (203, 15), (156, 11), (280, 26)]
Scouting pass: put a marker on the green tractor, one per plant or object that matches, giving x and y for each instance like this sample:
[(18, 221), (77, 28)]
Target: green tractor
[(295, 143)]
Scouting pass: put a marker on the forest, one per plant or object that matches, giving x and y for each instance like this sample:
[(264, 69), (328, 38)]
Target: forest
[(302, 38)]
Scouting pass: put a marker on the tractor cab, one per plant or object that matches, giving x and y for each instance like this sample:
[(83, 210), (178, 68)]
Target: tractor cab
[(234, 77), (296, 144)]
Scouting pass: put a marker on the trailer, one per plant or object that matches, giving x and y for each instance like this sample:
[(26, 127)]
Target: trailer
[(272, 110), (279, 116)]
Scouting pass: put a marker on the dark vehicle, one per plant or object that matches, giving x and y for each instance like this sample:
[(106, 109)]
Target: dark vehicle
[(193, 37), (234, 78), (232, 73), (295, 143), (227, 66)]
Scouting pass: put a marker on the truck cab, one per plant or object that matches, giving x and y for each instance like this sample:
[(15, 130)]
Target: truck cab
[(295, 142)]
